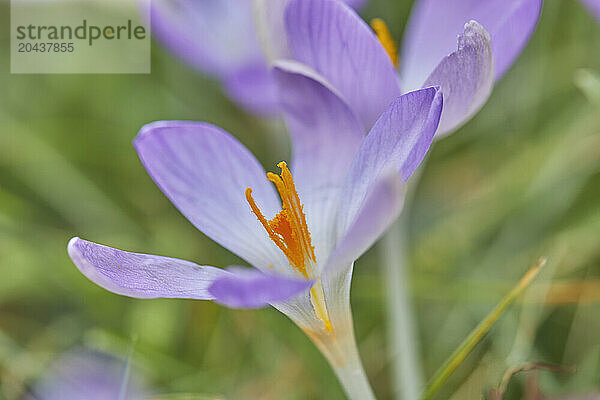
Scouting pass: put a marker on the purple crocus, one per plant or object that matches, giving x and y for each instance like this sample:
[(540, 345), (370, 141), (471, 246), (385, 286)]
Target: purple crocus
[(87, 375), (302, 228), (491, 34), (343, 191), (219, 38), (356, 140)]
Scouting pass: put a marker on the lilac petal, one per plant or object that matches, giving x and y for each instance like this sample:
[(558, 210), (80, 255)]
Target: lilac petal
[(399, 141), (593, 7), (251, 288), (465, 76), (325, 139), (379, 210), (434, 25), (269, 22), (204, 171), (216, 37), (253, 88), (356, 4), (142, 276), (332, 39), (87, 375)]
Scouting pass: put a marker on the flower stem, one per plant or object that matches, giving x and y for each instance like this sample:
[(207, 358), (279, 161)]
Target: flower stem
[(404, 344), (354, 381), (459, 355), (340, 349), (406, 367)]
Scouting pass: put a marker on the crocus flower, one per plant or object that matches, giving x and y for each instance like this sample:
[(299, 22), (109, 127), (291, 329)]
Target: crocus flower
[(87, 375), (491, 34), (219, 38), (302, 228), (345, 189)]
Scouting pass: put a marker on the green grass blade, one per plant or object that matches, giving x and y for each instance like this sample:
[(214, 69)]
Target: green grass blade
[(459, 355)]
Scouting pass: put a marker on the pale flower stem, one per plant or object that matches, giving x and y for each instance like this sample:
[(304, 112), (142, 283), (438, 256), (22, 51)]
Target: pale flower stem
[(340, 349), (354, 381), (348, 366), (407, 372), (342, 353), (406, 367)]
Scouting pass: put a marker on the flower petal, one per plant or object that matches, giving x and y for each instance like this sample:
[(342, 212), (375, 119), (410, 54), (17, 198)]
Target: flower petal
[(434, 25), (269, 22), (86, 374), (204, 171), (593, 7), (465, 76), (325, 139), (380, 209), (356, 4), (332, 39), (399, 141), (142, 276), (251, 288), (216, 37), (253, 88)]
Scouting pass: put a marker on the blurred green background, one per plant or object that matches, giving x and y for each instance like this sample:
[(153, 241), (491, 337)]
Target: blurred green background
[(521, 180)]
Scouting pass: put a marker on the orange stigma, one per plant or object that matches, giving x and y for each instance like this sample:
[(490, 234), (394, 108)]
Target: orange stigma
[(385, 37), (289, 231)]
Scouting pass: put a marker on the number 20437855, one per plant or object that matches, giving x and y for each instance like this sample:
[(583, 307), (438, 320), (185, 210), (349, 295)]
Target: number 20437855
[(45, 47)]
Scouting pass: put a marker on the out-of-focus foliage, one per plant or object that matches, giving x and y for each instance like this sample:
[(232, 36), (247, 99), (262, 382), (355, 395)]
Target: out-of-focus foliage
[(519, 181)]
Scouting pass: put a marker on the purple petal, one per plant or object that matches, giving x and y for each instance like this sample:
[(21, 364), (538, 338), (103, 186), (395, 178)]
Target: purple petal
[(269, 21), (253, 88), (86, 375), (434, 25), (380, 209), (332, 39), (593, 7), (466, 77), (204, 171), (325, 139), (142, 276), (216, 37), (399, 141), (356, 4), (270, 24), (250, 288), (510, 38)]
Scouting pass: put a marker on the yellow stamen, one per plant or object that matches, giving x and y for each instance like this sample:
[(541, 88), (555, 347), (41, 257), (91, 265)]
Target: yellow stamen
[(317, 298), (385, 37), (289, 231)]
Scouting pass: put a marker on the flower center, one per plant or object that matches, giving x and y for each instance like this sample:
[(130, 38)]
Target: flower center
[(289, 231), (385, 37)]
